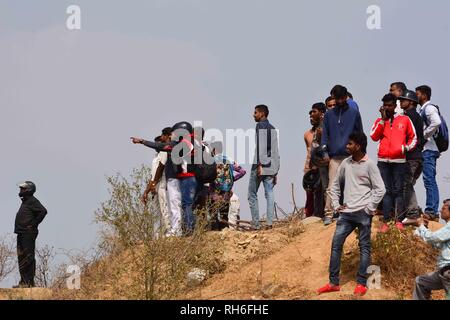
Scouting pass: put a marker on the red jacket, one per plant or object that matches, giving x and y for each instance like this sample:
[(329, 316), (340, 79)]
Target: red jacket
[(396, 139)]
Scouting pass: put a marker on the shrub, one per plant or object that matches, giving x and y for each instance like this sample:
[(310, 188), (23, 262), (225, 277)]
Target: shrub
[(402, 257), (136, 260)]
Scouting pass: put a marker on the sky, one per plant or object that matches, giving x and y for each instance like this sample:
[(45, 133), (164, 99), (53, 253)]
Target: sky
[(70, 99)]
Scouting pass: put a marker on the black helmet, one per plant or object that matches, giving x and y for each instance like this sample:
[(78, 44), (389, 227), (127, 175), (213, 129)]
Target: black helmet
[(27, 188), (311, 180), (410, 95), (182, 125)]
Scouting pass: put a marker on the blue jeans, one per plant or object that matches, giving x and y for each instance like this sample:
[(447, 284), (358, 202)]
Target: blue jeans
[(393, 175), (253, 187), (429, 180), (188, 188), (346, 224)]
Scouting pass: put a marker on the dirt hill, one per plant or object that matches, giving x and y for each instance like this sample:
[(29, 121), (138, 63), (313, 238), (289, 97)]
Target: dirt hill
[(293, 271), (288, 262)]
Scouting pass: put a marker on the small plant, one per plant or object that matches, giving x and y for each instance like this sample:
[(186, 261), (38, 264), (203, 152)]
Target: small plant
[(7, 257), (402, 257), (135, 259), (44, 260)]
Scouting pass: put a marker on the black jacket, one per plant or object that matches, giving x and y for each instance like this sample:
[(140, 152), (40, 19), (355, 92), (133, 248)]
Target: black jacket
[(417, 121), (29, 216)]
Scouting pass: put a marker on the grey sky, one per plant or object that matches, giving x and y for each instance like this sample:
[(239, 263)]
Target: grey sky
[(71, 99)]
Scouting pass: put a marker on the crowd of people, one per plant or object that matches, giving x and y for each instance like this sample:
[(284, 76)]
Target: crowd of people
[(189, 174), (407, 149), (192, 178), (344, 185)]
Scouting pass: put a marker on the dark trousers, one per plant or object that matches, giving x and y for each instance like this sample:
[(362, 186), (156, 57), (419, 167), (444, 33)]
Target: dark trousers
[(188, 187), (346, 224), (425, 284), (413, 171), (26, 244), (315, 203), (221, 209), (393, 175)]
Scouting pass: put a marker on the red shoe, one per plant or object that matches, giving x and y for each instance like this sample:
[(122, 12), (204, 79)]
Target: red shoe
[(328, 289), (384, 228), (400, 226), (360, 290)]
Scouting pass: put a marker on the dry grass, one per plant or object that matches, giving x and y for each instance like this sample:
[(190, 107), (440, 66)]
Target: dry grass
[(7, 256), (135, 260), (402, 257)]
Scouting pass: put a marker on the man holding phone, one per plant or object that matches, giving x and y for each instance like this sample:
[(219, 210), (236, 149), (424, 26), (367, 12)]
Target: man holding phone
[(397, 136)]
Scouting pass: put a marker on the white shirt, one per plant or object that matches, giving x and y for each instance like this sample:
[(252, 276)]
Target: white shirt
[(434, 120), (161, 157)]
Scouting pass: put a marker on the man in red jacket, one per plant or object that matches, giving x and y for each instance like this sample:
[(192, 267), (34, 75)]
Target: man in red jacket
[(397, 136)]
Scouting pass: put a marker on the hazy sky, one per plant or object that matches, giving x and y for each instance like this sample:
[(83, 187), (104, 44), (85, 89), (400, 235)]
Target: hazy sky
[(70, 100)]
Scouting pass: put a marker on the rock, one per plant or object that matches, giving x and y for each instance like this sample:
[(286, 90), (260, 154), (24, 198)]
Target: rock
[(244, 243), (196, 277), (271, 289), (311, 220)]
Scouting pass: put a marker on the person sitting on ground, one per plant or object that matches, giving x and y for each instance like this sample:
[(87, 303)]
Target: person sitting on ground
[(363, 190), (439, 279)]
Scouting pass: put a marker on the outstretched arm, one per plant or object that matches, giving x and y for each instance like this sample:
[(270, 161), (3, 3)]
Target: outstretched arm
[(158, 146)]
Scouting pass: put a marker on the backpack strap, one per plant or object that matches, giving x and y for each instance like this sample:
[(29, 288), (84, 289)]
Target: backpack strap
[(423, 114)]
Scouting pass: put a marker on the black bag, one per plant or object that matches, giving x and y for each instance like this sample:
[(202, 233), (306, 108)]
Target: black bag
[(205, 172), (441, 137)]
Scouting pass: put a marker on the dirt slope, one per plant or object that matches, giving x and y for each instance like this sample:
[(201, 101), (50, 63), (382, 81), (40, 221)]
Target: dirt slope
[(295, 271)]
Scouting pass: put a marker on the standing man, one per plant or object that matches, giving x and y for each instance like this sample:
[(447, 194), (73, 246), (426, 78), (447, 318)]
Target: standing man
[(330, 103), (158, 183), (363, 190), (339, 123), (397, 137), (351, 102), (315, 161), (398, 89), (440, 279), (265, 166), (183, 146), (28, 218), (432, 122), (414, 160)]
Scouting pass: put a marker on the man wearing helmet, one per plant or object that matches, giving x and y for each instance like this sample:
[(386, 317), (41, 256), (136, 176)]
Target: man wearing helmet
[(180, 150), (28, 218)]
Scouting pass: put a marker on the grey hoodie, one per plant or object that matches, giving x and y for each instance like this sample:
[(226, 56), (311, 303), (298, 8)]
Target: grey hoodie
[(363, 186)]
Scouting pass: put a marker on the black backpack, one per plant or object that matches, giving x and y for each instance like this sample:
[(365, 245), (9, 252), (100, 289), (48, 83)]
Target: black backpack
[(441, 137), (206, 171)]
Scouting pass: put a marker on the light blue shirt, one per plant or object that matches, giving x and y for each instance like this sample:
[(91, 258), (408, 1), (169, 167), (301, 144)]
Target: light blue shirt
[(440, 240)]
